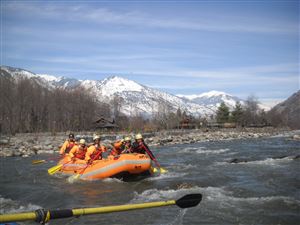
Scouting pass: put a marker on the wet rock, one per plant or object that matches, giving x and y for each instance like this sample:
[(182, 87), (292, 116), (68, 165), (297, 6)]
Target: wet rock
[(184, 186), (30, 144), (235, 160), (296, 137), (256, 135), (16, 153), (4, 141), (150, 140), (297, 157), (6, 153), (46, 152), (47, 142), (30, 141), (49, 147), (280, 157)]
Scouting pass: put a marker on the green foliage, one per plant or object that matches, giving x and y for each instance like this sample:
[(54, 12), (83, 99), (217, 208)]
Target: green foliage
[(223, 113), (237, 113)]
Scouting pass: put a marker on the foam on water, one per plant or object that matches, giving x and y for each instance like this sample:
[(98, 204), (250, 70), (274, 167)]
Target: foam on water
[(264, 162), (208, 151), (11, 206), (178, 218), (225, 199), (270, 161), (213, 195), (190, 149), (184, 167), (168, 175), (112, 180)]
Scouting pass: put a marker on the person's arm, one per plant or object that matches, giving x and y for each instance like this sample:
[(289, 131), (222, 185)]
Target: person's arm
[(63, 148), (103, 148), (151, 155), (72, 151), (89, 152)]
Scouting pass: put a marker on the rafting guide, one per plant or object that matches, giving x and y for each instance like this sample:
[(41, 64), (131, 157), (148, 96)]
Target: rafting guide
[(68, 144)]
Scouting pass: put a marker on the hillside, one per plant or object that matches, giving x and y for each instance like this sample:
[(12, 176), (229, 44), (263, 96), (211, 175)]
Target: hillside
[(287, 112)]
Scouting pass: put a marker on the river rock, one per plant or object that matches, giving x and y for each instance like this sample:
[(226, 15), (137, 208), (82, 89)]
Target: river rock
[(4, 141), (6, 153), (36, 147), (150, 140), (238, 161), (47, 142), (45, 152), (296, 137), (297, 157)]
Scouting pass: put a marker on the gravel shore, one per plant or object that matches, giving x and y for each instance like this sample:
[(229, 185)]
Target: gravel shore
[(28, 144)]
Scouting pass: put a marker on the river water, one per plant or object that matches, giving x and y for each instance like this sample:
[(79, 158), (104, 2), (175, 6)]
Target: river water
[(263, 190)]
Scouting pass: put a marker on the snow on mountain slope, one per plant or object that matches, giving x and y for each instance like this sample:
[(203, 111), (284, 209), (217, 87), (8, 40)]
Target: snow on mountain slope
[(17, 72), (133, 98), (49, 78), (213, 99), (137, 99)]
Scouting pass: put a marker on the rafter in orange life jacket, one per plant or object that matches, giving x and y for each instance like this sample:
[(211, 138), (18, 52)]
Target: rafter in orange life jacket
[(78, 152)]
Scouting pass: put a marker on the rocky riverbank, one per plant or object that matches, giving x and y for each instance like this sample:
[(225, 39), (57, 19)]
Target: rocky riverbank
[(28, 144)]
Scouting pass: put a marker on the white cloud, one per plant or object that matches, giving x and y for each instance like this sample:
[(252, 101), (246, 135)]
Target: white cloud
[(103, 15)]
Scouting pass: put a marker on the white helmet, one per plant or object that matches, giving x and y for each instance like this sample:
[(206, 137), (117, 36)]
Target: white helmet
[(96, 137), (127, 139), (138, 136), (82, 142)]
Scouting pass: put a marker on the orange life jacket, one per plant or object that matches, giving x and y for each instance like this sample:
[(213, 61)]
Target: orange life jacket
[(80, 154), (97, 155), (118, 148), (69, 147)]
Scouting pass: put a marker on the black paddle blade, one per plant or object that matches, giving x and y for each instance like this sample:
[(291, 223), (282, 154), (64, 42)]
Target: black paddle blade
[(190, 200)]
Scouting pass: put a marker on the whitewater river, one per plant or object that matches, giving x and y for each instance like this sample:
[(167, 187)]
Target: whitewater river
[(262, 190)]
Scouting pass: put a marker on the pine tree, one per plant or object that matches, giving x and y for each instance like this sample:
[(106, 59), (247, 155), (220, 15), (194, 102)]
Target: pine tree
[(237, 113), (222, 113)]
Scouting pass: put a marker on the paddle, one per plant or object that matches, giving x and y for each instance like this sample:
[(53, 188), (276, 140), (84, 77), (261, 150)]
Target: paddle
[(154, 170), (43, 216), (162, 170), (75, 177), (38, 161), (56, 168)]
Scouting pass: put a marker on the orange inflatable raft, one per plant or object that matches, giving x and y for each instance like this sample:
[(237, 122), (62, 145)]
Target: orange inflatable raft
[(121, 166)]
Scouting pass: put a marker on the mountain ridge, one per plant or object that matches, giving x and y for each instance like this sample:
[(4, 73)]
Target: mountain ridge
[(287, 112), (133, 98)]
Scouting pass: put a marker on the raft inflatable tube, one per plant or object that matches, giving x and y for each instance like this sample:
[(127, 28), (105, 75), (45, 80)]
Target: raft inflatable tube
[(123, 165)]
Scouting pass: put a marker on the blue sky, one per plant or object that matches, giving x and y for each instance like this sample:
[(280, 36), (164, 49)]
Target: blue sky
[(183, 47)]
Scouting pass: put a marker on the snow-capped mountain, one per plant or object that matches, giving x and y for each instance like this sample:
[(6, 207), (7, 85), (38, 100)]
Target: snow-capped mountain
[(137, 99), (213, 99), (133, 98), (45, 80)]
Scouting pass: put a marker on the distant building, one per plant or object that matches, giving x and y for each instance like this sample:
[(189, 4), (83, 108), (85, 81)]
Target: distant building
[(187, 123), (105, 124)]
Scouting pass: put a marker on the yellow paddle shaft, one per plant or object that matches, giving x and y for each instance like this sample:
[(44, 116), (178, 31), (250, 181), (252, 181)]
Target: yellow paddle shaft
[(110, 209), (55, 214), (17, 217)]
